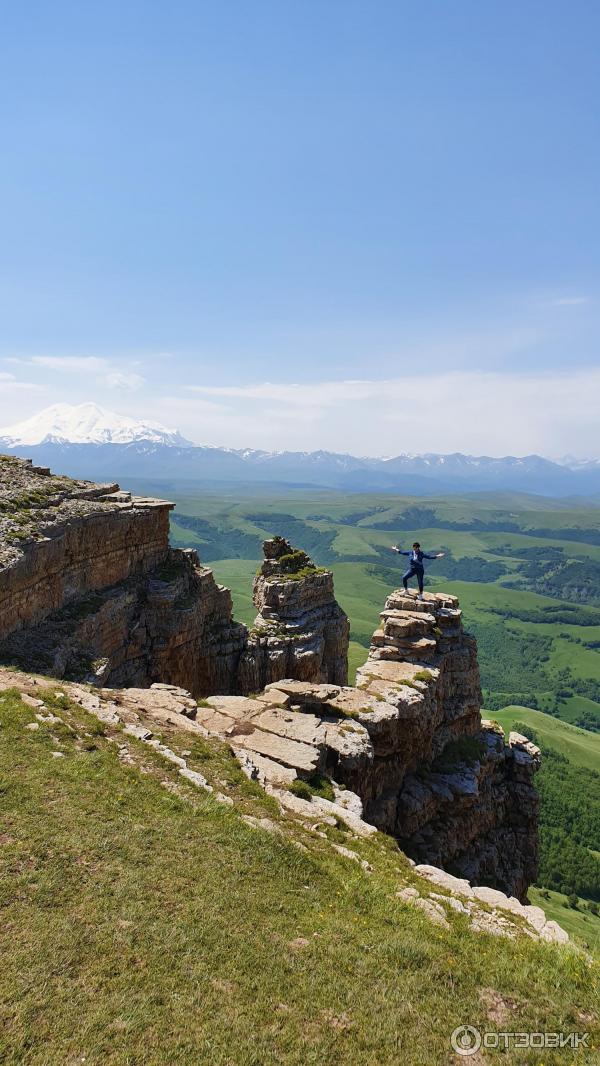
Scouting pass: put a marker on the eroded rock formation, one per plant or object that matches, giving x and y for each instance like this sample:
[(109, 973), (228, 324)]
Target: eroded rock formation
[(459, 796), (300, 630), (406, 749)]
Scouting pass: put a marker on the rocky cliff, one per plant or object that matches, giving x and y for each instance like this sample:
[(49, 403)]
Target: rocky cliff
[(61, 539), (90, 590)]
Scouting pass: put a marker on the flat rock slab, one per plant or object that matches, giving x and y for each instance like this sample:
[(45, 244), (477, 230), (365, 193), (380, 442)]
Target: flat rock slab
[(304, 692), (391, 671), (353, 701), (235, 706), (459, 886), (303, 758), (421, 619), (306, 728), (554, 933), (215, 722), (274, 697), (271, 773)]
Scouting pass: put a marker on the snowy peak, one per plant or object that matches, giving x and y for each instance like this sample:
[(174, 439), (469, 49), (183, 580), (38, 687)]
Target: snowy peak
[(86, 423)]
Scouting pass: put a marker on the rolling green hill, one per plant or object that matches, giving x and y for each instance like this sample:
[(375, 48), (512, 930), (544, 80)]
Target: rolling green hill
[(577, 745), (579, 922)]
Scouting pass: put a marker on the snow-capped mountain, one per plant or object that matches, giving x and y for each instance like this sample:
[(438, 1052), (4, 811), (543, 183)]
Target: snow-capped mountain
[(86, 423)]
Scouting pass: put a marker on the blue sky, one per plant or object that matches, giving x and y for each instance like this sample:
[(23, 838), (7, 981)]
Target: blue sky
[(368, 226)]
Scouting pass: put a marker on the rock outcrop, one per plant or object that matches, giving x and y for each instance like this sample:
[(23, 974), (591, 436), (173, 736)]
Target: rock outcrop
[(300, 630), (449, 788), (61, 539), (90, 588)]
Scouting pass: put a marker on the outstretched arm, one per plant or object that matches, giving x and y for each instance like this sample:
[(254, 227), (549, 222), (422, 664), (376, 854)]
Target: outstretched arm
[(396, 549), (438, 555)]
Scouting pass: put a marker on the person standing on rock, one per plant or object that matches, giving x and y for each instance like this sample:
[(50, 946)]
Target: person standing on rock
[(416, 568)]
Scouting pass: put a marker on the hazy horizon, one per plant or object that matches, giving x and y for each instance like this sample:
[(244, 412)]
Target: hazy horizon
[(33, 426)]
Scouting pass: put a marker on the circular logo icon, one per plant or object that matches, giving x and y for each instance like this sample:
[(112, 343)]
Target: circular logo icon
[(466, 1040)]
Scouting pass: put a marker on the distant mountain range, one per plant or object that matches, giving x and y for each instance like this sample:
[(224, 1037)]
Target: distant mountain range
[(87, 441)]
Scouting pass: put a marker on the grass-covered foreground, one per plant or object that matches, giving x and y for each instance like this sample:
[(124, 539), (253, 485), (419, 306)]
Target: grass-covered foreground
[(143, 925)]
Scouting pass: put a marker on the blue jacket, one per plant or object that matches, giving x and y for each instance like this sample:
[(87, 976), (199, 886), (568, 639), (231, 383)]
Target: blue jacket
[(416, 557)]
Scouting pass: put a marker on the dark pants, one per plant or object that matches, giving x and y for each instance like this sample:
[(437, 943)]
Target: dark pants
[(414, 571)]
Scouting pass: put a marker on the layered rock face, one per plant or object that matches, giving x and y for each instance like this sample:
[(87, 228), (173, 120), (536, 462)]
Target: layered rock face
[(60, 539), (90, 589), (406, 750), (172, 624), (444, 781), (300, 631)]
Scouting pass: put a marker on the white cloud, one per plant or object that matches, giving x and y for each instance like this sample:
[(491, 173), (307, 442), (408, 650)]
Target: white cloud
[(475, 411), (108, 374), (118, 379), (6, 377), (571, 301), (9, 386), (73, 363)]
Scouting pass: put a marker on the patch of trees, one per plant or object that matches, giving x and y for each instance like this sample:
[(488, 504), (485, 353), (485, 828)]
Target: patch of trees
[(569, 685), (584, 536), (566, 866), (496, 701), (563, 615), (511, 661), (345, 520), (426, 518), (469, 568), (550, 573), (589, 720), (220, 542)]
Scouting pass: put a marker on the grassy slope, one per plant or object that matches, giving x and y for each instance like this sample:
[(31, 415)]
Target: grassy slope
[(139, 926), (577, 745), (579, 924)]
